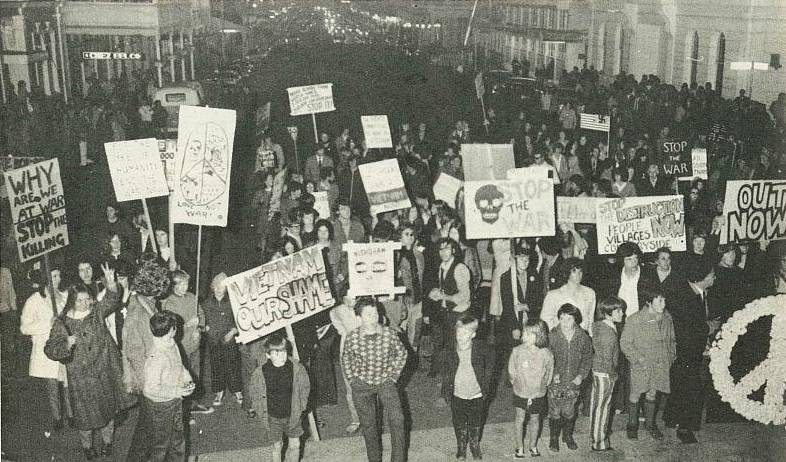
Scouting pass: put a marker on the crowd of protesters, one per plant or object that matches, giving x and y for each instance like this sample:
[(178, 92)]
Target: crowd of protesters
[(573, 331)]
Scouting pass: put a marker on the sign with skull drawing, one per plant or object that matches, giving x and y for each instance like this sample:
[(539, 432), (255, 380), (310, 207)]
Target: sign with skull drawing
[(371, 269), (202, 166), (523, 207)]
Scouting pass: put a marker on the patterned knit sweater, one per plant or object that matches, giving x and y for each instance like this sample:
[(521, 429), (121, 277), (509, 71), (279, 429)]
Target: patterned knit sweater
[(373, 359)]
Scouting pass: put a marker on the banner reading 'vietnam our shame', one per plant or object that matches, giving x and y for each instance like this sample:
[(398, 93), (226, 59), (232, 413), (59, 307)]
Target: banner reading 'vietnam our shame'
[(509, 208), (384, 186), (203, 166), (37, 208), (277, 294), (754, 210), (651, 222)]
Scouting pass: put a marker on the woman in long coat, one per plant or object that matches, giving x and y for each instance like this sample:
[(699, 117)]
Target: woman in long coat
[(649, 343), (36, 321), (80, 339)]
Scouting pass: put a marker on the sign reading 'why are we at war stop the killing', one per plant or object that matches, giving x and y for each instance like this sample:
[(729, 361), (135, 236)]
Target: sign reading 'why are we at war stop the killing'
[(37, 208), (277, 294)]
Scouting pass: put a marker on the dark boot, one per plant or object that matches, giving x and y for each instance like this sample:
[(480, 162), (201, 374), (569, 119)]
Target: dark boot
[(461, 442), (650, 408), (554, 427), (633, 421), (474, 443), (567, 433)]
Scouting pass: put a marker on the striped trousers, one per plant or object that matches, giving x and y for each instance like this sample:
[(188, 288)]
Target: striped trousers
[(600, 404)]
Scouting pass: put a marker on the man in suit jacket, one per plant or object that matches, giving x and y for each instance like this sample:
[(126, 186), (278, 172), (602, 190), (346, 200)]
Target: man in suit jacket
[(692, 328), (654, 184), (410, 264), (314, 164), (346, 227)]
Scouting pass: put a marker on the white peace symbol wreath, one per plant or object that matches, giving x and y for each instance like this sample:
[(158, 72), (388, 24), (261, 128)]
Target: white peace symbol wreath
[(771, 371)]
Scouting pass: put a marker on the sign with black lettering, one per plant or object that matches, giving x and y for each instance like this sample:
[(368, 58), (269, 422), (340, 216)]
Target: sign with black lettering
[(37, 208), (651, 222), (754, 210), (277, 294)]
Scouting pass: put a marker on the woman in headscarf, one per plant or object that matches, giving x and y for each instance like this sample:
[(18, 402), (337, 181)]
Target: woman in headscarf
[(80, 338)]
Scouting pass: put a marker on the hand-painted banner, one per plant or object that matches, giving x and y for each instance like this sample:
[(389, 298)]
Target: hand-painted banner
[(699, 164), (384, 186), (675, 158), (311, 99), (38, 208), (651, 222), (203, 166), (376, 131), (755, 210), (577, 209), (136, 169), (446, 189), (8, 163), (483, 162), (167, 150), (371, 268), (277, 294), (509, 208)]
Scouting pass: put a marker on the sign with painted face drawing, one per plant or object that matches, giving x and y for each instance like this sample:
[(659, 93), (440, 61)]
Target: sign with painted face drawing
[(651, 222), (755, 210), (203, 166), (38, 210), (371, 269), (510, 208), (277, 294)]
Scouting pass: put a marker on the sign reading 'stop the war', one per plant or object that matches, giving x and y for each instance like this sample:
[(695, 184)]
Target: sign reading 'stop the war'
[(38, 211)]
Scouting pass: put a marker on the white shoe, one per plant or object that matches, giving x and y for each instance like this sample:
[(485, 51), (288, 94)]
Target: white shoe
[(219, 397), (239, 397), (192, 421)]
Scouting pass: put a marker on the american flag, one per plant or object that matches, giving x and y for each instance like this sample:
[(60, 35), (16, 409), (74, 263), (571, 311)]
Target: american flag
[(601, 123)]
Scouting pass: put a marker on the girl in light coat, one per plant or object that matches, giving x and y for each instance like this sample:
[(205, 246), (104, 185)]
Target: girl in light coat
[(36, 321)]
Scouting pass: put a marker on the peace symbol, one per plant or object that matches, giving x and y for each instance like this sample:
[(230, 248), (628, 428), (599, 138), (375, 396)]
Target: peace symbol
[(770, 373)]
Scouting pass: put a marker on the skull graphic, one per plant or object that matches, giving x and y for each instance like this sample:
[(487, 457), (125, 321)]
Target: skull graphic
[(489, 201)]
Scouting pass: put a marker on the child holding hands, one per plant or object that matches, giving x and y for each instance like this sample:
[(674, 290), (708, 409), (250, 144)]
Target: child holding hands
[(530, 368)]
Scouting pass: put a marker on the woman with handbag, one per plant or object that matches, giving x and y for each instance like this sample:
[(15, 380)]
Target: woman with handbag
[(36, 321), (80, 338)]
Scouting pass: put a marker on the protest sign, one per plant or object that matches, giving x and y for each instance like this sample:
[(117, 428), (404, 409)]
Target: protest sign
[(167, 150), (675, 158), (755, 210), (311, 99), (202, 166), (384, 186), (577, 209), (483, 162), (321, 204), (8, 163), (371, 268), (266, 158), (597, 122), (545, 170), (651, 222), (446, 189), (38, 210), (280, 293), (136, 170), (510, 208), (699, 164), (376, 131)]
